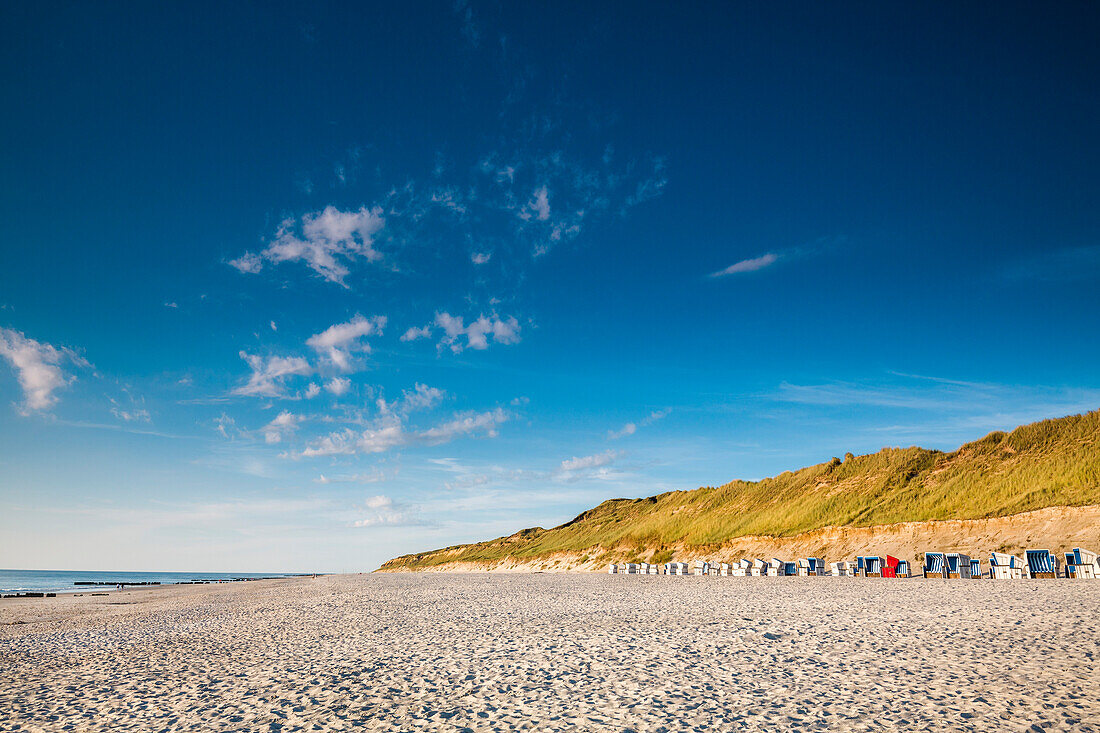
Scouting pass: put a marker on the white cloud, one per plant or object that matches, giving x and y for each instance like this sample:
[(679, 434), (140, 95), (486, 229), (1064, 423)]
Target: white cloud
[(466, 423), (503, 331), (379, 502), (417, 333), (324, 240), (389, 432), (422, 397), (631, 427), (248, 263), (312, 391), (538, 207), (135, 415), (338, 386), (284, 424), (375, 476), (450, 199), (751, 265), (480, 258), (37, 368), (573, 465), (349, 442), (628, 429), (274, 327), (390, 518), (171, 305), (269, 375), (224, 424), (339, 342), (381, 510)]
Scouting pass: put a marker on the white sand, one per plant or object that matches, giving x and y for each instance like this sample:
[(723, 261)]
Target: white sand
[(558, 652)]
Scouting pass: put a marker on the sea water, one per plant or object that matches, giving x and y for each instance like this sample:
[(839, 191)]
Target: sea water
[(54, 581)]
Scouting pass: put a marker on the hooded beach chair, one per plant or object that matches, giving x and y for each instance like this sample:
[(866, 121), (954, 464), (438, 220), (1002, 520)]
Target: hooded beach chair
[(1085, 564), (759, 568), (1003, 566), (935, 565), (1041, 564), (871, 566), (776, 568), (975, 568), (958, 565)]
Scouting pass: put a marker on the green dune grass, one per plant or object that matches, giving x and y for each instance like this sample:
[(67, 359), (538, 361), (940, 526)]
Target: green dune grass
[(1048, 463)]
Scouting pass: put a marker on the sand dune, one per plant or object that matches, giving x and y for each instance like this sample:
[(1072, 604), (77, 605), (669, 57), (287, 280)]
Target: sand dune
[(405, 652), (1054, 528)]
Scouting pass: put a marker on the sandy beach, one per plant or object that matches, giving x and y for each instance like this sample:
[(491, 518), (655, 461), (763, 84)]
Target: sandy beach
[(404, 652)]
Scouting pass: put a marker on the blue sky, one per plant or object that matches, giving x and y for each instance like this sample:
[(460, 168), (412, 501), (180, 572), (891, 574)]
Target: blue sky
[(304, 288)]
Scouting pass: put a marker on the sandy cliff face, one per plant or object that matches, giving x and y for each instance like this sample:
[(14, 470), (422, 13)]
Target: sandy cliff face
[(1054, 528)]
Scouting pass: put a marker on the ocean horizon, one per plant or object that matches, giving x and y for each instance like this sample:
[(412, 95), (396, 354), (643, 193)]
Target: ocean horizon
[(65, 581)]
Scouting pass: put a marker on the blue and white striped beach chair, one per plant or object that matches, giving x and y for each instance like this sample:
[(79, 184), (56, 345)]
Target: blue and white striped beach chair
[(1042, 564), (935, 565)]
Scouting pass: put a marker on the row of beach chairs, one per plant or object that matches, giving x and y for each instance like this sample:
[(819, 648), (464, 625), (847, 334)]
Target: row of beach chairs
[(1079, 564), (1037, 564), (885, 567)]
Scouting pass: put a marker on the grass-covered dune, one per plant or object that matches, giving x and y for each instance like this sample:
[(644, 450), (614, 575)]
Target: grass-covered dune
[(1051, 463)]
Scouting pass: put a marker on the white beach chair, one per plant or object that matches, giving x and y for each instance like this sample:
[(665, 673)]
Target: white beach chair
[(1003, 566), (1085, 564), (776, 568), (612, 568), (759, 568)]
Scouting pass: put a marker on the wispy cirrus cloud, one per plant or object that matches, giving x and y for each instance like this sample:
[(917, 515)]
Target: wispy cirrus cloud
[(37, 368), (750, 265), (375, 476), (819, 246)]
